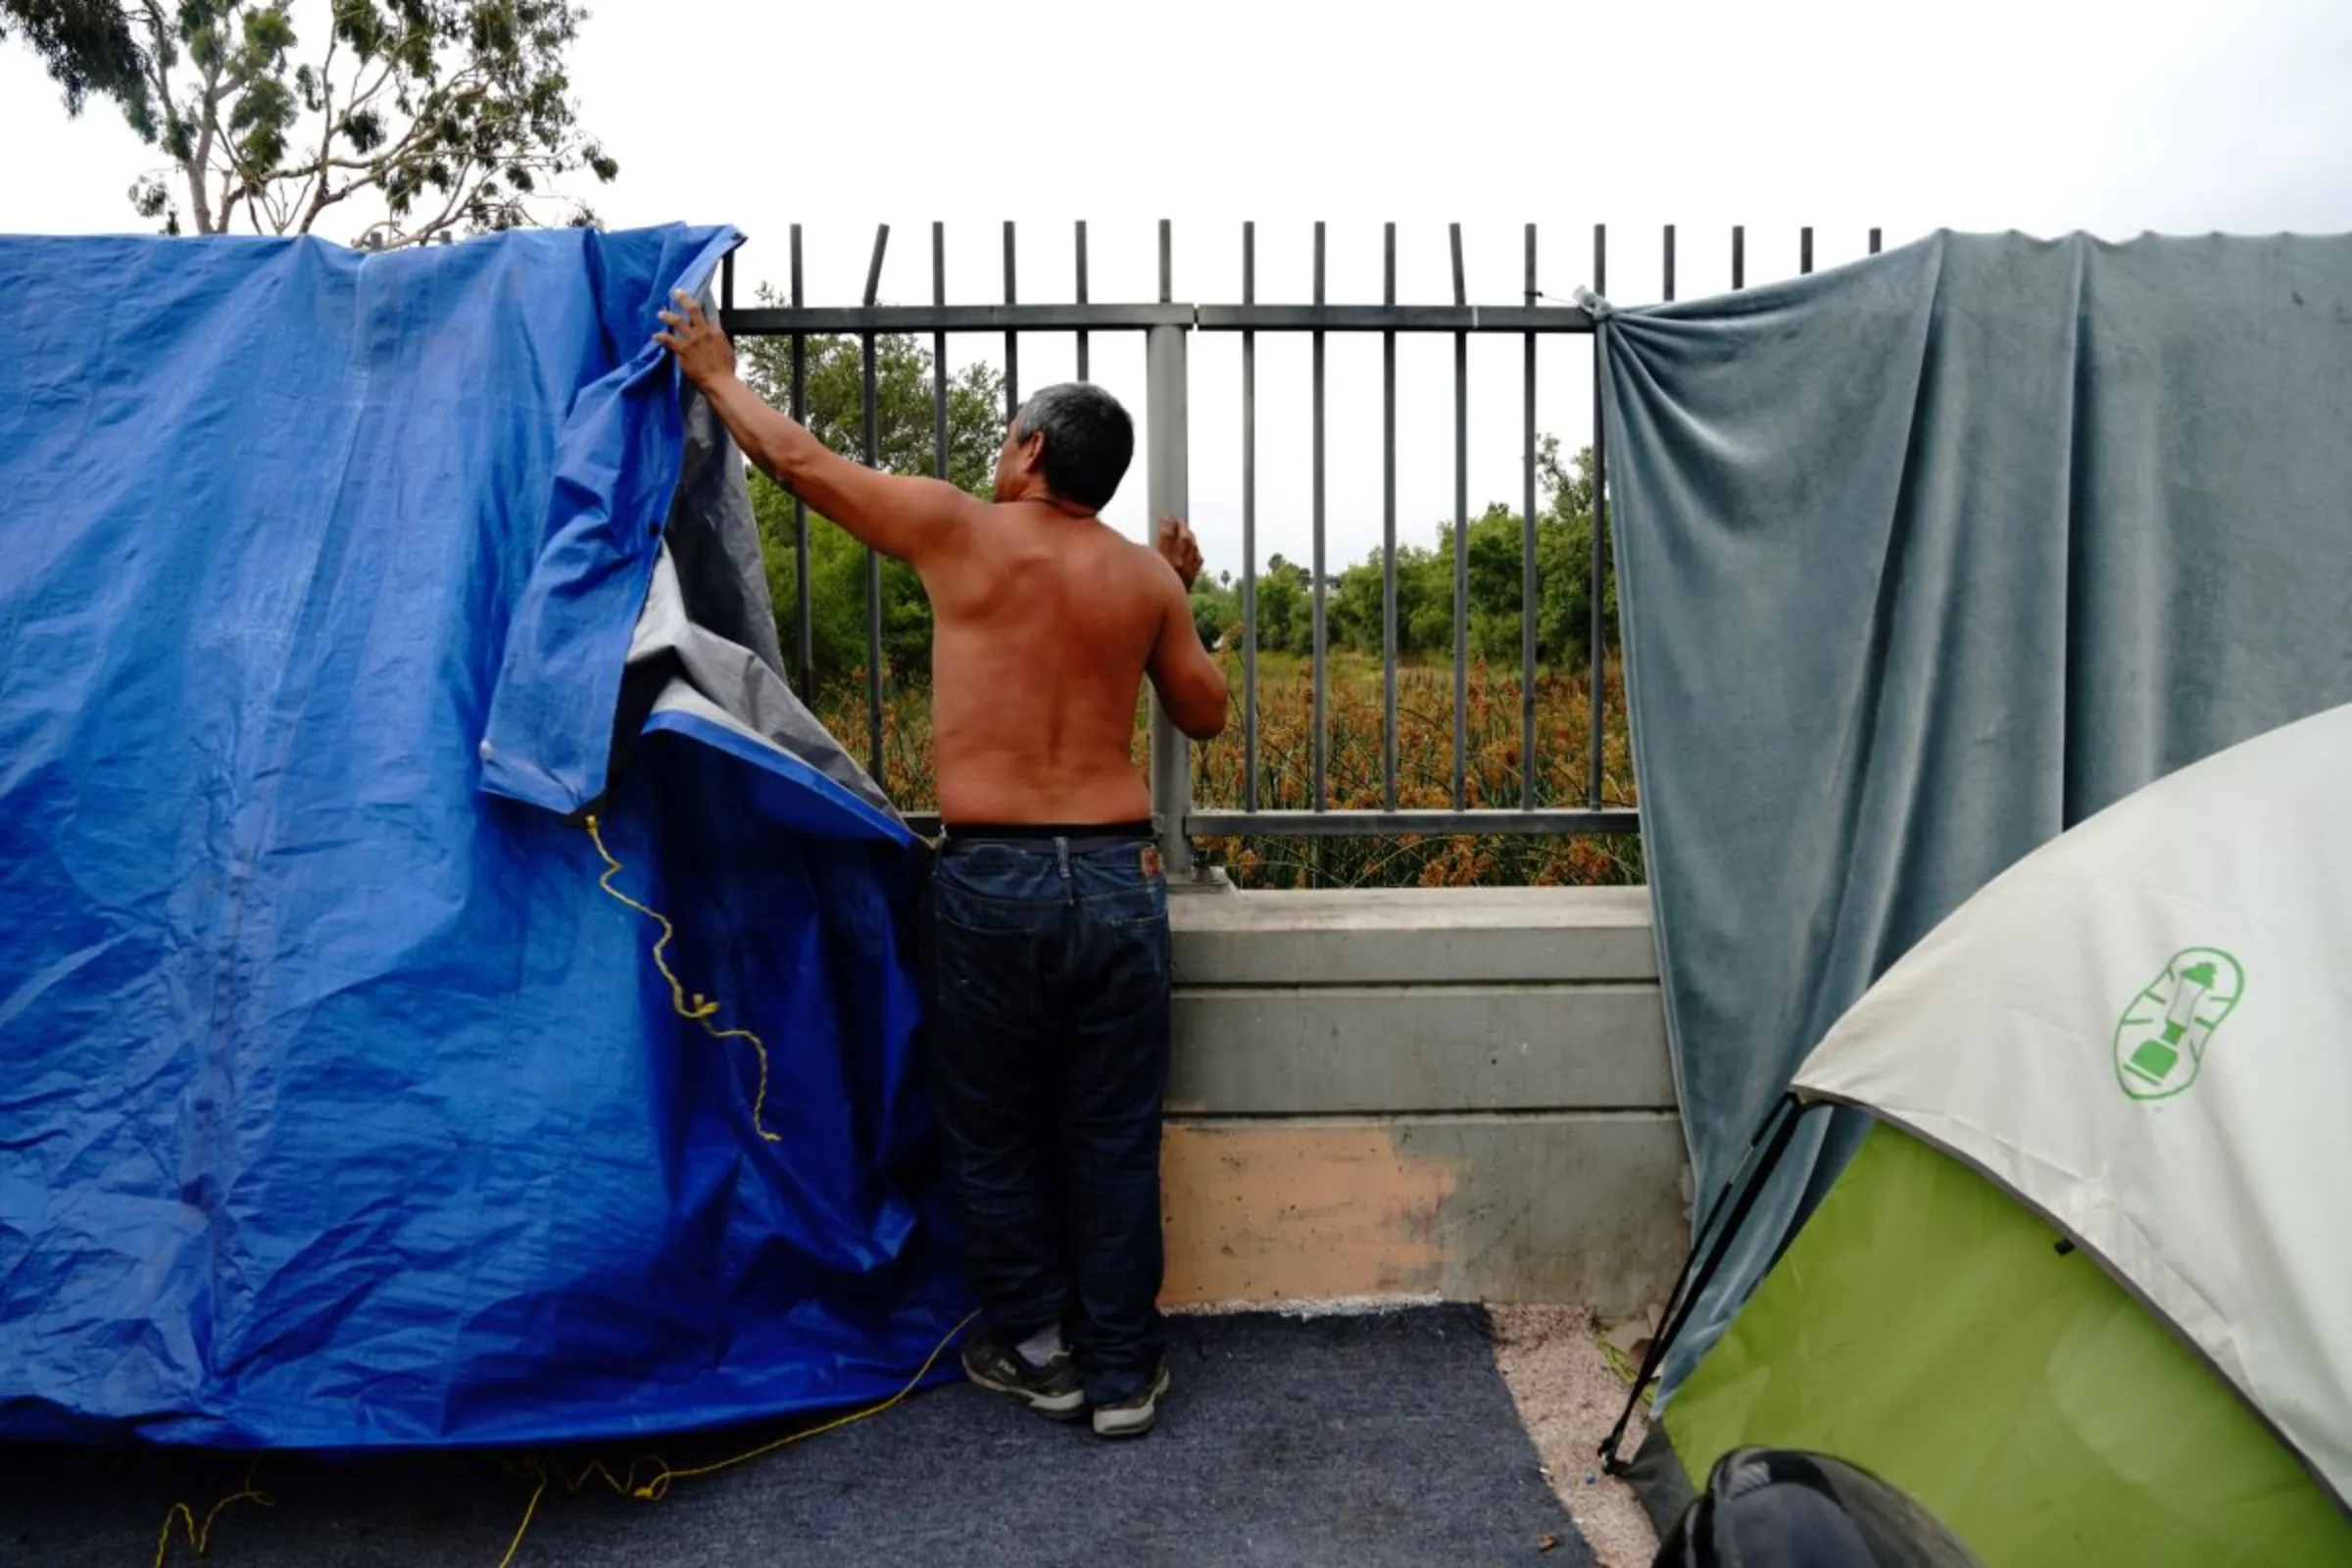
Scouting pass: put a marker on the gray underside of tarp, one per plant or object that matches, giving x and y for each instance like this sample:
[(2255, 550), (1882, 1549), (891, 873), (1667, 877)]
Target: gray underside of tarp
[(705, 640), (1924, 561)]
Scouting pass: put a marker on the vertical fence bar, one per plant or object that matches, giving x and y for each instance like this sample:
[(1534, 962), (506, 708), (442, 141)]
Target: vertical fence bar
[(1167, 479), (1874, 242), (1597, 633), (806, 635), (1461, 528), (1013, 339), (1804, 250), (1248, 527), (1082, 375), (1316, 585), (1527, 563), (873, 267), (874, 561), (1388, 534), (1739, 255), (1669, 271), (726, 286), (939, 353)]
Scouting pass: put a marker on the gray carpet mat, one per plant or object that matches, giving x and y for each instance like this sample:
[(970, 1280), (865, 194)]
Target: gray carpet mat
[(1357, 1440)]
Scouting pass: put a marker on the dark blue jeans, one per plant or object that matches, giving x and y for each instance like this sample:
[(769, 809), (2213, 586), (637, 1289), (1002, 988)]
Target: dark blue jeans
[(1048, 1062)]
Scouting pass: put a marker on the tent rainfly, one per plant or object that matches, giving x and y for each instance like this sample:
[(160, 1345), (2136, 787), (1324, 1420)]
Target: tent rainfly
[(2084, 1290)]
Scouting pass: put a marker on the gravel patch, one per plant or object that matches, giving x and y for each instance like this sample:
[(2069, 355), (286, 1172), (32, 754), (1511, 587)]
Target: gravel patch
[(1568, 1394)]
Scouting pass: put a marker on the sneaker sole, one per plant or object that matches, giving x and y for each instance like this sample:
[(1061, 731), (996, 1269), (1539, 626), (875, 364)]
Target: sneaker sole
[(1053, 1407), (1149, 1417)]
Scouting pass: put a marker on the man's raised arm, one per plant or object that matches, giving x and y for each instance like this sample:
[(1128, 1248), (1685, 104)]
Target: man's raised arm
[(1190, 683), (909, 519)]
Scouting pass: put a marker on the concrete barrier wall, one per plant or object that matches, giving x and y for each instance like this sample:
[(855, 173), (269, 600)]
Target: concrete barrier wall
[(1450, 1092)]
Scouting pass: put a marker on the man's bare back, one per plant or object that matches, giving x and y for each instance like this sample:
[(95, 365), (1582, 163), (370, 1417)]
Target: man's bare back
[(1046, 622), (1041, 636)]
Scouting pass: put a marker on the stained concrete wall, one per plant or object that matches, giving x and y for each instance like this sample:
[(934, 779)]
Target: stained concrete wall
[(1448, 1092)]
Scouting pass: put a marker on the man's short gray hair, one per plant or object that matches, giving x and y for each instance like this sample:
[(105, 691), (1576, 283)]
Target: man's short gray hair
[(1089, 440)]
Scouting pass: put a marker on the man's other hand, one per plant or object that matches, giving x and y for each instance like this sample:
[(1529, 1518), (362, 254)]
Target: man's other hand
[(1180, 549), (703, 351)]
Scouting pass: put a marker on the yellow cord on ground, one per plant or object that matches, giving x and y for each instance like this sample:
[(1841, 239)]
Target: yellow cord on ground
[(200, 1536), (700, 1010), (655, 1486), (524, 1528)]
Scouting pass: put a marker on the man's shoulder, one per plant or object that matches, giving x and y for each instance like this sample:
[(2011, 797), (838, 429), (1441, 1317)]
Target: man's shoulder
[(1154, 578), (1135, 555)]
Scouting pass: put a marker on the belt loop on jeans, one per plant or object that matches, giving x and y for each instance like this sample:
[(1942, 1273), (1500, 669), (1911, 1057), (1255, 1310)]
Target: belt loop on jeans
[(1061, 857)]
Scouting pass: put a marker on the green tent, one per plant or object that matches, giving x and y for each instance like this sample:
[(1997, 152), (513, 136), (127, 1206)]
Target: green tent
[(2085, 1292)]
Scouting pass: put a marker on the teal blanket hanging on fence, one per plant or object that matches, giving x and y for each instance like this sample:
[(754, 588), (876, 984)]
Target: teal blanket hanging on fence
[(1924, 561)]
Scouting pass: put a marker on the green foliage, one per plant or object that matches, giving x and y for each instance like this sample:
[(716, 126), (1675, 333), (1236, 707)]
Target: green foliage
[(1494, 561), (1214, 614), (1354, 608), (1285, 612), (906, 442), (905, 428), (454, 113), (86, 45)]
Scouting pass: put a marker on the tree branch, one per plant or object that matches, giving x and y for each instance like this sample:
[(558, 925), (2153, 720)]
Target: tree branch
[(205, 223), (158, 74), (383, 159), (360, 100), (159, 80), (326, 199), (268, 198), (207, 109), (226, 204), (251, 187), (326, 133), (469, 175), (155, 55)]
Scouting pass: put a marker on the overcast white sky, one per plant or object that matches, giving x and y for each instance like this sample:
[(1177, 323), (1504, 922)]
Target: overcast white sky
[(2045, 116)]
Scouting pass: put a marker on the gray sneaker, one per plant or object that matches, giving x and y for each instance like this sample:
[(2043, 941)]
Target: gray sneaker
[(1133, 1415), (1051, 1390)]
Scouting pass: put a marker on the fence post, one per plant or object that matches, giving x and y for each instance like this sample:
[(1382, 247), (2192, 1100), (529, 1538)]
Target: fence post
[(1167, 494)]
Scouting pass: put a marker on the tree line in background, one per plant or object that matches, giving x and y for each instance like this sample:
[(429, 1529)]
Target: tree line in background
[(906, 442), (1494, 544)]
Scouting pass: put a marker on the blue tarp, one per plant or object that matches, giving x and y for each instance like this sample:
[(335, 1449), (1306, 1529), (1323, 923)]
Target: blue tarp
[(340, 1107), (1926, 559)]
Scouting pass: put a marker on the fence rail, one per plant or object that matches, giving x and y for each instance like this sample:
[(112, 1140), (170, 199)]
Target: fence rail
[(1167, 324)]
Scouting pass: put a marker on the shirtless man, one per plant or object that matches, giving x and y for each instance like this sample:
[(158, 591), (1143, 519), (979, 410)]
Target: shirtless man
[(1047, 925)]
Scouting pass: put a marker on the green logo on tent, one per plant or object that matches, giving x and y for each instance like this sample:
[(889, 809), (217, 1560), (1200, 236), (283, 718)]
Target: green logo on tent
[(2161, 1039)]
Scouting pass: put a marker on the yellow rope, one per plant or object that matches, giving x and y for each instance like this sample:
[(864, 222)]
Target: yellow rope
[(524, 1528), (657, 1484), (200, 1536), (655, 1487), (700, 1010)]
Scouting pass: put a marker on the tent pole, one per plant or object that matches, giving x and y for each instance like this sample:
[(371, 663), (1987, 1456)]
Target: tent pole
[(1786, 1113)]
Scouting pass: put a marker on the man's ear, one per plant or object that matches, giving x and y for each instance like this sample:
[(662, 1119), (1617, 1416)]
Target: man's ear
[(1033, 453)]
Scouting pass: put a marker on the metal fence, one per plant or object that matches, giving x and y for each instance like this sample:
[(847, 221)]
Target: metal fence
[(1167, 326)]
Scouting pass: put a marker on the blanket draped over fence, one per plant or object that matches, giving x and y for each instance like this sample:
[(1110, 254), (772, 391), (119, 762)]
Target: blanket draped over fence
[(1925, 560)]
